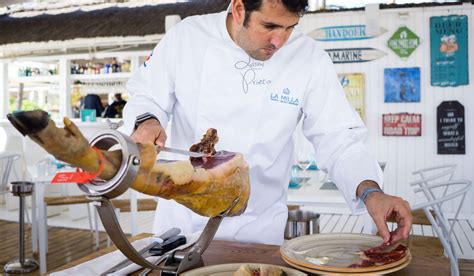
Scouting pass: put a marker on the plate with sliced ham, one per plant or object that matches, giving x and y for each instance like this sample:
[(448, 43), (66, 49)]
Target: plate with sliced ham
[(344, 253)]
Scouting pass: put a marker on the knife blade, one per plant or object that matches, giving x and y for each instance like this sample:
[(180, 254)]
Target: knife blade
[(183, 152), (145, 251)]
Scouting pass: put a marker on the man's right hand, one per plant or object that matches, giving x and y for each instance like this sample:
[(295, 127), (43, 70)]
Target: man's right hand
[(150, 131)]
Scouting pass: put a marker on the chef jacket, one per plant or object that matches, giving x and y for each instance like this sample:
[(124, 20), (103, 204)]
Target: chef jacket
[(200, 78)]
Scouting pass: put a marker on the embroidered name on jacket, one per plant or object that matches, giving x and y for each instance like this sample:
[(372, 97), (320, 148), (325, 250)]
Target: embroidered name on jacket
[(249, 70), (285, 97)]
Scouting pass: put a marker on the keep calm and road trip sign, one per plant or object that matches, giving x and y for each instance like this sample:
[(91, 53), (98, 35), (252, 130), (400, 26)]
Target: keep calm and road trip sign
[(338, 33), (401, 124), (403, 42)]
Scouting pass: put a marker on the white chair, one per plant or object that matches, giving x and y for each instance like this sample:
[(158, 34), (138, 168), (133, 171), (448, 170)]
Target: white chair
[(64, 198), (434, 173), (7, 166), (449, 190), (41, 175)]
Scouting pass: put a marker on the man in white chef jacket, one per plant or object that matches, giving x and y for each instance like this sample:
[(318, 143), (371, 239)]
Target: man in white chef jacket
[(248, 73)]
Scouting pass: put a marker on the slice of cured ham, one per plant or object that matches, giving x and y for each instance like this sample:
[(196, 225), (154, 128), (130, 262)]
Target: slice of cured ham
[(381, 255), (207, 186)]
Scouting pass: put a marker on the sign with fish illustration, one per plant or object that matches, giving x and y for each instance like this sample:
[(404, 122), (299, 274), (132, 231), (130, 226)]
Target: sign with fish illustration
[(338, 33), (350, 55), (402, 85), (449, 50)]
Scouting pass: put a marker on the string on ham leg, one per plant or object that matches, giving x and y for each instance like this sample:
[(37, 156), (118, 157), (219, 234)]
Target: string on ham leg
[(207, 190)]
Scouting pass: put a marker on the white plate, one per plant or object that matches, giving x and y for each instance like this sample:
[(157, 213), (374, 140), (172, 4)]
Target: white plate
[(334, 252), (329, 273), (229, 269)]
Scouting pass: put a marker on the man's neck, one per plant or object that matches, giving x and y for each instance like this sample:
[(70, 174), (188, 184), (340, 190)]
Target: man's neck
[(229, 23)]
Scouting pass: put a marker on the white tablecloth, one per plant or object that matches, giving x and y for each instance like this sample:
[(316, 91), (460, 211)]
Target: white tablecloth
[(101, 264)]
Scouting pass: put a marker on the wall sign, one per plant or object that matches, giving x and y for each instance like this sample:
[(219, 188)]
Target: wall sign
[(403, 42), (349, 55), (451, 130), (401, 124), (402, 85), (353, 85), (449, 50), (337, 33)]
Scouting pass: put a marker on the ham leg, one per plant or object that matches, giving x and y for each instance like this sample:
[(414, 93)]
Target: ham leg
[(208, 187)]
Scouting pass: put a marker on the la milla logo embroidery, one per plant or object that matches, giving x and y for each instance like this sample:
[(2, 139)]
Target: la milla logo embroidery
[(145, 63), (284, 97)]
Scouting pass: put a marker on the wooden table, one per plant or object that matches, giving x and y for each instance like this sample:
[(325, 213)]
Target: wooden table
[(221, 252)]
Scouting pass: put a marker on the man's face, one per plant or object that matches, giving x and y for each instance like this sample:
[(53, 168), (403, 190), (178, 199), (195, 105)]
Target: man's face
[(267, 30)]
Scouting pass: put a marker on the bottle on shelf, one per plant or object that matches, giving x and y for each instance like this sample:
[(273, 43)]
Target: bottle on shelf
[(97, 68)]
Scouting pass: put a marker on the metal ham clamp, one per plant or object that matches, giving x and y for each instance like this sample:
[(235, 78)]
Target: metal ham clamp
[(102, 191)]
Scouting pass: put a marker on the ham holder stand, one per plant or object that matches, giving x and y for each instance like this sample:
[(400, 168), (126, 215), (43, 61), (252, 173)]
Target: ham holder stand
[(102, 191)]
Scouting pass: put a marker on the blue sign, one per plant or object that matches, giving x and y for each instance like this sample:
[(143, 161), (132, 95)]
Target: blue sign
[(402, 85), (449, 50), (88, 115), (336, 33)]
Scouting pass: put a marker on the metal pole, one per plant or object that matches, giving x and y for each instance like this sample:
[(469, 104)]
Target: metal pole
[(22, 230), (21, 265)]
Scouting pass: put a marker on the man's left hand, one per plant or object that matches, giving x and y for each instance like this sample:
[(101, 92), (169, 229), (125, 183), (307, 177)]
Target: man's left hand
[(381, 207)]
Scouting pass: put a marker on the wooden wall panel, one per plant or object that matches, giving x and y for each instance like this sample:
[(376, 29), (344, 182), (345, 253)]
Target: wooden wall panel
[(406, 154)]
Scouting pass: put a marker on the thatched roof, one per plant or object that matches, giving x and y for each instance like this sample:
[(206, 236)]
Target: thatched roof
[(396, 6), (119, 21), (108, 22)]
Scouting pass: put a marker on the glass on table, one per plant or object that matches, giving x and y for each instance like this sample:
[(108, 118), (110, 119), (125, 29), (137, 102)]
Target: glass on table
[(328, 184), (303, 160)]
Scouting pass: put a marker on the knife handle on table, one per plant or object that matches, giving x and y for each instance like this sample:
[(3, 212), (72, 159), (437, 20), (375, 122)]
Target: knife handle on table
[(167, 245)]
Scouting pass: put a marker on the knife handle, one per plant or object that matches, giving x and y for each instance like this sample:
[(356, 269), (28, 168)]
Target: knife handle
[(167, 245)]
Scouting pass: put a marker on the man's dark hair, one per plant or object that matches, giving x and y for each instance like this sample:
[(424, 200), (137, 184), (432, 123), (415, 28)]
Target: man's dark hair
[(295, 6)]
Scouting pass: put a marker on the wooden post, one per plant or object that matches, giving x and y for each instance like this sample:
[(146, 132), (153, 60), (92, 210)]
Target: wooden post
[(65, 87), (19, 101), (134, 63), (4, 95)]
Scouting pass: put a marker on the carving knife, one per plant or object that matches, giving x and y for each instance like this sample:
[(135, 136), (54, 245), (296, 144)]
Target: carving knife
[(144, 252), (183, 152)]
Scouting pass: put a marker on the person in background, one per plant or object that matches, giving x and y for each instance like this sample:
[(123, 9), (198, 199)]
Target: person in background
[(252, 75), (93, 101), (115, 109)]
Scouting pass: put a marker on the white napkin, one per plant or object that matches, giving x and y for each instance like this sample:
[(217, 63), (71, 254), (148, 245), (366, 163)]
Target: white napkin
[(103, 263)]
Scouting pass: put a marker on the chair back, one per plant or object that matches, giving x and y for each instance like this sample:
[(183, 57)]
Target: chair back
[(436, 172), (432, 175), (454, 189), (6, 165)]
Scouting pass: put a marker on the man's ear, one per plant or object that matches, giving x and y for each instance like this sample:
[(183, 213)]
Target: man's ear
[(238, 11)]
